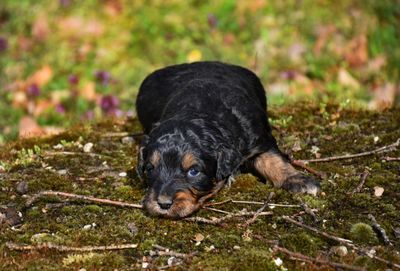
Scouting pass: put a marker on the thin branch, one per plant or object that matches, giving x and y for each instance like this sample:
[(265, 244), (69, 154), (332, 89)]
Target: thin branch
[(217, 210), (388, 158), (386, 148), (327, 235), (258, 212), (301, 257), (252, 203), (20, 247), (91, 154), (302, 164), (220, 220), (39, 195), (116, 134), (362, 181), (381, 231)]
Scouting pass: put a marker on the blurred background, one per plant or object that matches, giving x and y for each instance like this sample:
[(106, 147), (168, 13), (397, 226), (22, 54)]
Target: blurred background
[(65, 61)]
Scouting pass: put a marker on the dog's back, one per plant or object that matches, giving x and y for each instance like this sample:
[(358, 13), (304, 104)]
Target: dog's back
[(209, 85)]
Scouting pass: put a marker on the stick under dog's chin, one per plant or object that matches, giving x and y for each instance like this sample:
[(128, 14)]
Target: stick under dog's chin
[(183, 205)]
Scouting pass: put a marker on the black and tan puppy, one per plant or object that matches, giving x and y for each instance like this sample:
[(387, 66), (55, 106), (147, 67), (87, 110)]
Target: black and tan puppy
[(205, 122)]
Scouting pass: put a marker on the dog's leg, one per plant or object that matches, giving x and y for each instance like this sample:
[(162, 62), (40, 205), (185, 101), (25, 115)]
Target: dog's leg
[(273, 166)]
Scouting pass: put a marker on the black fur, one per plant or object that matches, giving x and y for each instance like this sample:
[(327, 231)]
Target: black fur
[(215, 111)]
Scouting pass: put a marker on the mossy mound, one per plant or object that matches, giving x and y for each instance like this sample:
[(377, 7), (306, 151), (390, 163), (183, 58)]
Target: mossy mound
[(59, 163)]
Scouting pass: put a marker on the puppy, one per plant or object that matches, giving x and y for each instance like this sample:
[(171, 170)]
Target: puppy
[(205, 122)]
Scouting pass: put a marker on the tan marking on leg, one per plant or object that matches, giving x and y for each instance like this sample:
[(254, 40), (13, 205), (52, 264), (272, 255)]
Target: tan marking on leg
[(188, 160), (155, 158), (274, 168)]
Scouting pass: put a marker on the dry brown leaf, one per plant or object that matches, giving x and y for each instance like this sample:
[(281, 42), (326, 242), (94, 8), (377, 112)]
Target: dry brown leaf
[(41, 77), (19, 99), (40, 28), (356, 51), (28, 127), (323, 34), (384, 96), (41, 106), (75, 26), (198, 237), (88, 91), (347, 80)]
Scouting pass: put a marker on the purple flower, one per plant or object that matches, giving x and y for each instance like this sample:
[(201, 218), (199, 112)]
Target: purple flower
[(73, 79), (60, 109), (103, 77), (212, 21), (3, 44), (109, 103), (289, 75), (33, 90)]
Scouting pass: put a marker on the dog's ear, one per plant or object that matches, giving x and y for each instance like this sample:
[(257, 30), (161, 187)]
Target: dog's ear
[(228, 161), (142, 157)]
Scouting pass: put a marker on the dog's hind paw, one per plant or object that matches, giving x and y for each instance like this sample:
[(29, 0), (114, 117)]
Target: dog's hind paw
[(302, 184)]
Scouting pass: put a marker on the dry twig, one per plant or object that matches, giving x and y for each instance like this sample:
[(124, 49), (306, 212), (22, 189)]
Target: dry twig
[(252, 203), (388, 158), (20, 247), (39, 195), (327, 235), (163, 251), (220, 220), (301, 257), (253, 219), (362, 181), (381, 231), (386, 148), (301, 164), (91, 154)]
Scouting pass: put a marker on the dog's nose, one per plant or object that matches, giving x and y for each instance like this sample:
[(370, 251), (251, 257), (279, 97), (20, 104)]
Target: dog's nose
[(164, 202)]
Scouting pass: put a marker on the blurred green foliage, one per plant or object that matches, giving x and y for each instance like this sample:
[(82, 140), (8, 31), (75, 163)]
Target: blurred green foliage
[(96, 48)]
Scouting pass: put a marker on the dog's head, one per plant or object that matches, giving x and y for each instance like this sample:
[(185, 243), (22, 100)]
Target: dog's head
[(184, 163)]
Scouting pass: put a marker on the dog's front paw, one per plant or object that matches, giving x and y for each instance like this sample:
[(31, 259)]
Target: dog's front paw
[(302, 184)]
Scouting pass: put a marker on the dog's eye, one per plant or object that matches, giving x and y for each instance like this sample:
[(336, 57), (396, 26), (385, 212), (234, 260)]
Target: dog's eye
[(193, 172), (149, 168)]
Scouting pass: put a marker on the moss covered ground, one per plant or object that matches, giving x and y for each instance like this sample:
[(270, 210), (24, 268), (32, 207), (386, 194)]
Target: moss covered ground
[(304, 131)]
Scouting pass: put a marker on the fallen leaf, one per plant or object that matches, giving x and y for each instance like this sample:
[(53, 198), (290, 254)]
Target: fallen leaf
[(378, 191), (356, 52), (41, 106), (29, 128), (88, 91), (347, 80), (198, 237), (40, 28), (384, 96), (41, 77)]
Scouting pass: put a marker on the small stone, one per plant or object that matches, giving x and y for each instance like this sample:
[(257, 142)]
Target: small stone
[(87, 227), (128, 140), (58, 147), (210, 248), (376, 139), (236, 247), (22, 187), (62, 171), (378, 191), (88, 147), (122, 174), (278, 261), (339, 250), (172, 261), (145, 265)]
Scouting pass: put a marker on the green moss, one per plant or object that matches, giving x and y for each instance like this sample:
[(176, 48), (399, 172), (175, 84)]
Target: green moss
[(363, 233), (301, 242)]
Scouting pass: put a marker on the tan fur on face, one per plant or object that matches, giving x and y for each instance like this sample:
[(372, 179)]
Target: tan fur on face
[(188, 161), (273, 167), (155, 158)]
